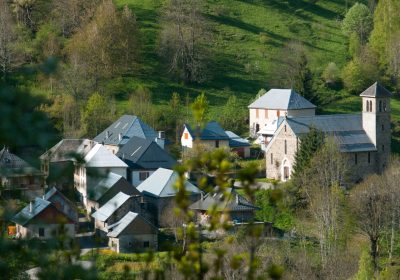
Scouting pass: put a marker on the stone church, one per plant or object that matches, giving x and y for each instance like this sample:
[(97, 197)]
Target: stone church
[(364, 138)]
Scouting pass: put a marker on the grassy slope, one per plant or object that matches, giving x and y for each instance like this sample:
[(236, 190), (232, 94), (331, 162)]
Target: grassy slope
[(237, 27)]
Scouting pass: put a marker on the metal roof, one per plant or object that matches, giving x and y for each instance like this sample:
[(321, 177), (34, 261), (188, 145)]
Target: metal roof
[(126, 126), (10, 164), (162, 184), (140, 153), (119, 226), (233, 201), (236, 141), (285, 99), (212, 131), (105, 212), (25, 215), (376, 90), (100, 187), (68, 149), (346, 128), (99, 156)]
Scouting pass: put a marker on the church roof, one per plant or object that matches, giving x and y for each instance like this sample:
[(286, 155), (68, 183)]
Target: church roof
[(127, 126), (376, 90), (285, 99), (346, 128)]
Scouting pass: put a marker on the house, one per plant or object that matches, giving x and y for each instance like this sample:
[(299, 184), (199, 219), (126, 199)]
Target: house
[(143, 157), (103, 189), (62, 203), (237, 207), (116, 208), (212, 136), (238, 145), (97, 164), (118, 134), (364, 138), (132, 233), (274, 104), (41, 219), (57, 163), (159, 191), (16, 175)]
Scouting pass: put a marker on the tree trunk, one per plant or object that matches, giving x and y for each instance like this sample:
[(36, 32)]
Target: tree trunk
[(374, 253)]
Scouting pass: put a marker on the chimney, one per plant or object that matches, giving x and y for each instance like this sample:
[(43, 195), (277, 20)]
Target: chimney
[(160, 140), (30, 207), (237, 199), (119, 136), (107, 134), (123, 155), (43, 197), (201, 196)]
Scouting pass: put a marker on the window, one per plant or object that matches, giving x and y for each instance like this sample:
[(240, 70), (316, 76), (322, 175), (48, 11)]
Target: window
[(285, 127), (380, 105), (369, 157), (383, 127), (383, 148), (367, 109), (41, 232), (285, 147), (278, 113), (146, 244), (355, 158), (216, 143), (384, 106), (256, 113), (129, 244), (272, 158), (266, 113), (185, 135), (143, 175)]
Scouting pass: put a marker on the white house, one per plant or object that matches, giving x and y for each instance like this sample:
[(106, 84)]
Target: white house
[(266, 110), (211, 136)]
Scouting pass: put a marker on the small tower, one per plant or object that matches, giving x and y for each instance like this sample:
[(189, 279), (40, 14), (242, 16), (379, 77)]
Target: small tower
[(376, 121)]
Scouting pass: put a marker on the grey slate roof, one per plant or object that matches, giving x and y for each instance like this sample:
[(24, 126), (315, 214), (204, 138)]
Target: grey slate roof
[(376, 90), (25, 215), (105, 212), (346, 128), (99, 156), (141, 153), (212, 131), (10, 164), (121, 225), (236, 141), (67, 150), (234, 202), (285, 99), (161, 184), (98, 189), (128, 126)]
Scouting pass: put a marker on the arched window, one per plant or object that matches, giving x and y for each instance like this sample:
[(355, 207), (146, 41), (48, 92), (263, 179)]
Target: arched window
[(370, 106), (285, 147), (380, 105), (384, 106), (367, 106)]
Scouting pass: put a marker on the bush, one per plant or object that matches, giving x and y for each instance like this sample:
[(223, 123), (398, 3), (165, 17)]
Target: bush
[(331, 74)]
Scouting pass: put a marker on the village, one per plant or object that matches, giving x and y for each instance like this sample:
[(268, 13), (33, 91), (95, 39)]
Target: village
[(121, 185)]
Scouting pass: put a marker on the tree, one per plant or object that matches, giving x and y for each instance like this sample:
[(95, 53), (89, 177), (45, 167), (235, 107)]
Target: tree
[(233, 116), (200, 109), (292, 70), (358, 20), (140, 104), (331, 74), (310, 143), (185, 40), (97, 115), (174, 116), (107, 46), (8, 37)]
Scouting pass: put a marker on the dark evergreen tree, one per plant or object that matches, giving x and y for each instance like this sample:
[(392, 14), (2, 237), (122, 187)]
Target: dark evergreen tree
[(310, 144)]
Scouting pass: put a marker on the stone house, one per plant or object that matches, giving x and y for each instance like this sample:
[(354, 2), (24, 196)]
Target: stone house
[(103, 189), (143, 157), (364, 139), (132, 233), (237, 207), (41, 219), (211, 136), (127, 126), (97, 164), (159, 192), (267, 109), (16, 175), (62, 203), (238, 145), (58, 163)]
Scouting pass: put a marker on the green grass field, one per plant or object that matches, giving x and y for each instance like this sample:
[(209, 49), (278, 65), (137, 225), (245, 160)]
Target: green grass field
[(248, 35)]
